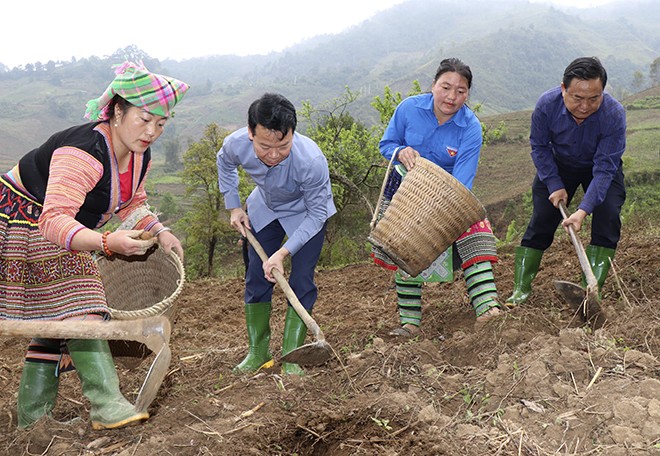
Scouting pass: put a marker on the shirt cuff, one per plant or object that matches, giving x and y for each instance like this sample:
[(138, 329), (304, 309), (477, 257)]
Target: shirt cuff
[(586, 207), (554, 184), (232, 201)]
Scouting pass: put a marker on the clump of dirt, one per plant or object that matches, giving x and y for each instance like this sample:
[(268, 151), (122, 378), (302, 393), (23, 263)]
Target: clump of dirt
[(535, 382)]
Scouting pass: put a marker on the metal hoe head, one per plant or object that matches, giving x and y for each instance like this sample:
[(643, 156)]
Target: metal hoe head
[(313, 354), (154, 332), (154, 379), (585, 302)]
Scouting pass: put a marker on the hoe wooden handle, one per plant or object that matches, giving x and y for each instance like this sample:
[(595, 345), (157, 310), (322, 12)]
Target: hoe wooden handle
[(579, 248), (288, 291)]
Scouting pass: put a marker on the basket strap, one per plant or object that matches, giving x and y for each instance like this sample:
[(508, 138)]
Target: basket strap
[(382, 190)]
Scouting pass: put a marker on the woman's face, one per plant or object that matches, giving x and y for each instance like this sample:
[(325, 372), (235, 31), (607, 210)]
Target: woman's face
[(450, 92), (137, 129)]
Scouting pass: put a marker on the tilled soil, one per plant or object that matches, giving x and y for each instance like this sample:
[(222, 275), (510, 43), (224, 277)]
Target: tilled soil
[(534, 382)]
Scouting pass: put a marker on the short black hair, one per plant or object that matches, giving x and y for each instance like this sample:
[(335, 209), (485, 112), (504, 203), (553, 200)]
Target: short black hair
[(454, 65), (585, 68), (273, 112)]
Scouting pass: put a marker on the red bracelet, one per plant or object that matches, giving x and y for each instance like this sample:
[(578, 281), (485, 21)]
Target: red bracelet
[(104, 244)]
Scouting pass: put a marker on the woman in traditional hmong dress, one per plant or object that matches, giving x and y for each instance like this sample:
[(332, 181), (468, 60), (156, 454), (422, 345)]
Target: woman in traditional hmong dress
[(439, 126), (51, 205)]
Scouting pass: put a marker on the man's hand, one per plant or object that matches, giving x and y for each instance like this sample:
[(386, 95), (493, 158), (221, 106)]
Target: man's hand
[(557, 196), (276, 261), (575, 220), (239, 220)]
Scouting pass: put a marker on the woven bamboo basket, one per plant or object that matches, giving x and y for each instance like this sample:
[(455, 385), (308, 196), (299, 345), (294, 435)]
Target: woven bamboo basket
[(139, 287), (429, 211), (142, 286)]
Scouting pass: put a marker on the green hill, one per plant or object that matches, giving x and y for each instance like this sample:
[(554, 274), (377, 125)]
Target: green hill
[(516, 49)]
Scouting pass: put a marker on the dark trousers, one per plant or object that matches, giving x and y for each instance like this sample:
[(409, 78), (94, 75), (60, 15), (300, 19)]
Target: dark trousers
[(244, 252), (605, 221), (303, 264)]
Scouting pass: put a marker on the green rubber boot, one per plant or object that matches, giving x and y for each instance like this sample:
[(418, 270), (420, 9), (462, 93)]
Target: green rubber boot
[(37, 392), (100, 384), (257, 317), (528, 261), (295, 331), (599, 259)]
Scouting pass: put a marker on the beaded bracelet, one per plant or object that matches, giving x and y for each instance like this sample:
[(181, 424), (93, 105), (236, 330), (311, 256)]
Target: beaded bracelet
[(104, 244), (162, 230)]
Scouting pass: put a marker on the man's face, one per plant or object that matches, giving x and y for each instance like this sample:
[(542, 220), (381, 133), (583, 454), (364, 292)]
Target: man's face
[(582, 97), (270, 146)]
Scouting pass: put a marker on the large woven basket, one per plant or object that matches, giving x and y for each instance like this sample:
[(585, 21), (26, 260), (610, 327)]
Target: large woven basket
[(428, 212), (142, 286)]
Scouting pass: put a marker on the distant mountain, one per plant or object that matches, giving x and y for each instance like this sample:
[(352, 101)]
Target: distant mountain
[(516, 50)]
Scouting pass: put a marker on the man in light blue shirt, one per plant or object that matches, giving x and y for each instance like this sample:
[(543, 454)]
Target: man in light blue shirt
[(292, 199)]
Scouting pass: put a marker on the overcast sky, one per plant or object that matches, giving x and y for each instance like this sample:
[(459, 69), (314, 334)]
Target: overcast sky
[(43, 30)]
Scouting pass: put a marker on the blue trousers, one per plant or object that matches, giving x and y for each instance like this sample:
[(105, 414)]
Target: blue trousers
[(303, 265), (606, 217)]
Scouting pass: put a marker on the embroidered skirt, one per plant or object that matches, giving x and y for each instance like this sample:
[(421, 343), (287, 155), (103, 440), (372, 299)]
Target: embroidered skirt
[(40, 280)]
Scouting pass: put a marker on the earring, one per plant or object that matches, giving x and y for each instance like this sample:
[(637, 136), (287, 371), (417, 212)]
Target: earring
[(116, 124)]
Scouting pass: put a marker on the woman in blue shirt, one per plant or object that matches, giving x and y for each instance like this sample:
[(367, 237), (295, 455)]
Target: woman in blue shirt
[(439, 126)]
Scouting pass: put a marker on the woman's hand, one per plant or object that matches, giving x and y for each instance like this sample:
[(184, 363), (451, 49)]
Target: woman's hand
[(407, 157), (170, 243), (128, 242)]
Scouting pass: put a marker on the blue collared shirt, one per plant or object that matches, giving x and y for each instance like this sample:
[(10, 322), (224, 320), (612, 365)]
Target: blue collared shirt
[(559, 142), (454, 146), (296, 191)]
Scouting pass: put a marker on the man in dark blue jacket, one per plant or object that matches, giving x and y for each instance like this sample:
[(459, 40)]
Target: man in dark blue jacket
[(578, 135)]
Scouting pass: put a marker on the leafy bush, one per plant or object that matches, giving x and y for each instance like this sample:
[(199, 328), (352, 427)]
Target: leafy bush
[(645, 103)]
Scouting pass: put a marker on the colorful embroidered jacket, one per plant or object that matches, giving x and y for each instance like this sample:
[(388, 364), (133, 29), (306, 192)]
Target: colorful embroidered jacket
[(74, 174)]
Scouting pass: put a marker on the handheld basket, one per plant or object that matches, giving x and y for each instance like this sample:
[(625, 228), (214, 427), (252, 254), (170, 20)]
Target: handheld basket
[(142, 286), (139, 287), (428, 212)]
